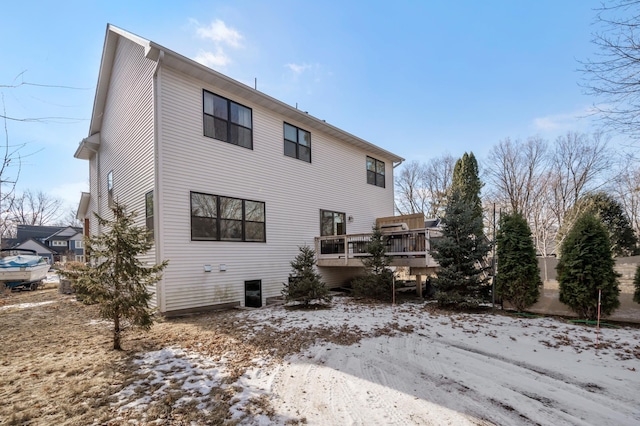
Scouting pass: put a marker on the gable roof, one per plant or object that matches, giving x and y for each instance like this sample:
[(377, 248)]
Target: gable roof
[(64, 233), (171, 59), (24, 232), (35, 245)]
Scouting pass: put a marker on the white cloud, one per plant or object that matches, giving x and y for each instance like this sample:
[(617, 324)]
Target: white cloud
[(212, 60), (219, 33), (575, 120), (223, 37), (298, 68)]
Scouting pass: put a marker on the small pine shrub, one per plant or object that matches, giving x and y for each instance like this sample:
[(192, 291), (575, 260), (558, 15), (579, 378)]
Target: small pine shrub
[(377, 283), (305, 284)]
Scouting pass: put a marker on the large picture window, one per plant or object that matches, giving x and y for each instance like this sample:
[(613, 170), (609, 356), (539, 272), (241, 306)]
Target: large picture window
[(375, 172), (227, 121), (332, 223), (297, 143), (218, 218)]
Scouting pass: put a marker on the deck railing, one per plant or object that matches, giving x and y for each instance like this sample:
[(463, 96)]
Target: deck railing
[(400, 244)]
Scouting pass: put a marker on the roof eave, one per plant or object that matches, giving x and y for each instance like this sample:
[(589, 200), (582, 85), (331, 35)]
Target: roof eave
[(83, 206), (192, 68)]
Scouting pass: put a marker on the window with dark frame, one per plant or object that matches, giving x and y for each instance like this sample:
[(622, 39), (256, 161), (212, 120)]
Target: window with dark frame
[(375, 172), (110, 188), (226, 120), (297, 143), (332, 223), (148, 212), (219, 218)]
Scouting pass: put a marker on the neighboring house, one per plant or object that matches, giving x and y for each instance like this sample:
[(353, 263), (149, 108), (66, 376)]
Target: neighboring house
[(64, 242), (230, 180), (40, 249)]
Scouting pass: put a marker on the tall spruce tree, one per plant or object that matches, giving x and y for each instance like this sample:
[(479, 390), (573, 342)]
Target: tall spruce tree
[(461, 280), (587, 266), (518, 273), (305, 284), (466, 179), (119, 281)]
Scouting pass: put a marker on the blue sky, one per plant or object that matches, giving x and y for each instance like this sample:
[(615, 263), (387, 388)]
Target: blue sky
[(418, 78)]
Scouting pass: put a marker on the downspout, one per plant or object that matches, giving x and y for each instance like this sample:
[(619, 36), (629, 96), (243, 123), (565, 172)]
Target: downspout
[(157, 194)]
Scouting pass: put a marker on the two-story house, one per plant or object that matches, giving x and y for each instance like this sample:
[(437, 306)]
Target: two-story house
[(55, 243), (230, 180)]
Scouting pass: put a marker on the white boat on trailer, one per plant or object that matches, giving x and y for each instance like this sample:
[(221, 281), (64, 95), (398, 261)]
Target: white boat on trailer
[(22, 268)]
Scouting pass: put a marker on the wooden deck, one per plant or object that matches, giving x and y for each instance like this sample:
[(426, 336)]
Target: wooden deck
[(408, 248)]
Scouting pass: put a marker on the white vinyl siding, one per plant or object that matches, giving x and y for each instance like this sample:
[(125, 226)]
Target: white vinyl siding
[(294, 192), (126, 139)]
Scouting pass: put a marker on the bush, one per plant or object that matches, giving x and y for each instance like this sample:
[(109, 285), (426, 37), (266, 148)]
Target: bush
[(377, 282), (305, 284), (519, 276), (587, 266), (376, 286)]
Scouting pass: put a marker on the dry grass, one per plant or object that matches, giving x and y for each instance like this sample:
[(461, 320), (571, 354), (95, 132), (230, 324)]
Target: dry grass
[(57, 365)]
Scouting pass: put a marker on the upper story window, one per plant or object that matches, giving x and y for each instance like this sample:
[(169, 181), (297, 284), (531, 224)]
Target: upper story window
[(110, 188), (227, 121), (297, 143), (58, 243), (79, 244), (375, 172), (218, 218)]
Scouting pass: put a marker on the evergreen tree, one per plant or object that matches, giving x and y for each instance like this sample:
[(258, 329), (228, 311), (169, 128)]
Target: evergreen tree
[(459, 253), (518, 272), (377, 282), (466, 180), (610, 212), (636, 284), (586, 266), (119, 281), (305, 284)]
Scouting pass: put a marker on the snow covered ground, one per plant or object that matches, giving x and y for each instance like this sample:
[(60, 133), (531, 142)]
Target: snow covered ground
[(415, 365)]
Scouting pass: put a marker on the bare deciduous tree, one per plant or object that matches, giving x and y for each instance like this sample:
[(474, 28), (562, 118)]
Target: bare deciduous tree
[(35, 208), (578, 165), (437, 179), (411, 196), (627, 191), (423, 188), (68, 218), (515, 170), (542, 183), (613, 74), (9, 173)]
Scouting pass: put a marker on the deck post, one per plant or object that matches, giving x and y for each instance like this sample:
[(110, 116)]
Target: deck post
[(346, 250), (419, 285)]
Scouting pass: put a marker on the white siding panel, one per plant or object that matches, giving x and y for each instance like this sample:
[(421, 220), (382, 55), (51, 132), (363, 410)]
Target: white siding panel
[(126, 142), (294, 192)]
